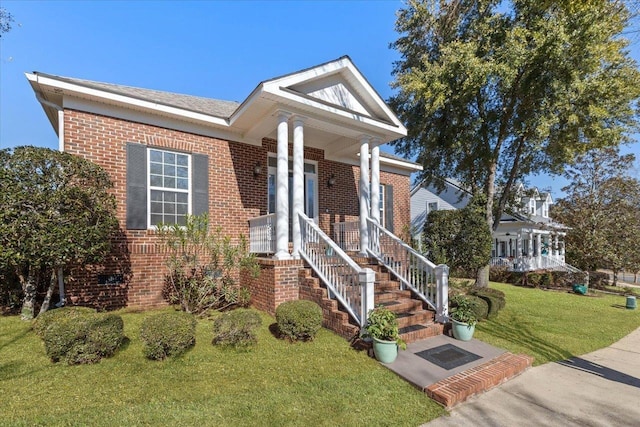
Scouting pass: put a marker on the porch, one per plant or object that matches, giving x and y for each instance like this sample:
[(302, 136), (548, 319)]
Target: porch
[(529, 249)]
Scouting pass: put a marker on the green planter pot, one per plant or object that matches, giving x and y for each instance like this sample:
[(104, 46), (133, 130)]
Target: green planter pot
[(385, 351), (462, 331)]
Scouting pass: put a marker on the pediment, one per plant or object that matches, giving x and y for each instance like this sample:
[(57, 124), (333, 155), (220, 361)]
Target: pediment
[(337, 85)]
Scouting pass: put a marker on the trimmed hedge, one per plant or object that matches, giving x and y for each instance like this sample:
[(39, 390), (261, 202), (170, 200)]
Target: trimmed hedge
[(167, 334), (83, 337), (64, 314), (494, 298), (479, 306), (299, 320), (236, 328)]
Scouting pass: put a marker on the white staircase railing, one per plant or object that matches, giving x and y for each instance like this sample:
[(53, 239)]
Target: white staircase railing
[(345, 280), (262, 234), (428, 281), (347, 235)]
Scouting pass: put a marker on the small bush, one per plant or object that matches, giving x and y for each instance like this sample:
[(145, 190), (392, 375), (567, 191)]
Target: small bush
[(478, 305), (236, 328), (299, 320), (500, 274), (167, 334), (64, 314), (87, 338), (597, 280), (494, 298)]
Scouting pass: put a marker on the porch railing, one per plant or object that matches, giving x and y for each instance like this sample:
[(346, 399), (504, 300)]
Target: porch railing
[(347, 235), (428, 281), (262, 234), (528, 263), (345, 280)]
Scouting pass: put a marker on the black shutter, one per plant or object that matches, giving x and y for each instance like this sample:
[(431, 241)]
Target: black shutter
[(200, 179), (388, 207), (136, 186)]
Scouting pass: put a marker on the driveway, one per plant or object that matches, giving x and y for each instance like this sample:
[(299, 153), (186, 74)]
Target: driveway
[(597, 389)]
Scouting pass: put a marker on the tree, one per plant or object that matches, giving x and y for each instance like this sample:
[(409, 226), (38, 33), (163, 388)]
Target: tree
[(493, 91), (459, 238), (56, 211), (6, 19), (602, 209)]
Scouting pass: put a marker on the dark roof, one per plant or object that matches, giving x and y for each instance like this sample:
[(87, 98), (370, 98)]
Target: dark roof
[(208, 106)]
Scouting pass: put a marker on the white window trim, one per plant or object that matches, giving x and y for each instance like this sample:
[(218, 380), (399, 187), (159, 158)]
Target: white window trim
[(150, 188), (431, 202)]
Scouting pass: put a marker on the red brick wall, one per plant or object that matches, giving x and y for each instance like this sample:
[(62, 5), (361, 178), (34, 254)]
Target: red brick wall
[(235, 196)]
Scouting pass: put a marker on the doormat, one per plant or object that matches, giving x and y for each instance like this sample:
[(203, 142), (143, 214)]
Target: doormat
[(448, 356)]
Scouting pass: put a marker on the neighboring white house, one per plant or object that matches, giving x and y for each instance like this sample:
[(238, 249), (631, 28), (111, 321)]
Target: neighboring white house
[(527, 238)]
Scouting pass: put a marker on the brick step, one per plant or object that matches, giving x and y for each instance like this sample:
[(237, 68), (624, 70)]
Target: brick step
[(403, 305), (420, 331), (458, 388), (387, 285), (415, 317), (381, 296)]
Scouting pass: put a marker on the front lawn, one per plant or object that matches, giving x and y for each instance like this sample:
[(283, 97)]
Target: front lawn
[(555, 325), (323, 382)]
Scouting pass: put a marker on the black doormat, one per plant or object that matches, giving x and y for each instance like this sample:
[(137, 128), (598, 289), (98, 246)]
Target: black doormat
[(448, 356)]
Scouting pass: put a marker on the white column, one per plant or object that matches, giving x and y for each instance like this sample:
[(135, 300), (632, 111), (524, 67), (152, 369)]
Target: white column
[(539, 251), (364, 194), (375, 182), (530, 244), (555, 245), (298, 181), (282, 188)]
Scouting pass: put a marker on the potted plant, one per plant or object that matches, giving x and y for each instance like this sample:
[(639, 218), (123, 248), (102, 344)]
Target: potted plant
[(382, 327), (463, 318)]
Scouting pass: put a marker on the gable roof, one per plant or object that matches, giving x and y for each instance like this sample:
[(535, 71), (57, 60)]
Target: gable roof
[(336, 102)]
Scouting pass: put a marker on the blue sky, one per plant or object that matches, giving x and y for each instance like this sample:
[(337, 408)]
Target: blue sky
[(214, 49)]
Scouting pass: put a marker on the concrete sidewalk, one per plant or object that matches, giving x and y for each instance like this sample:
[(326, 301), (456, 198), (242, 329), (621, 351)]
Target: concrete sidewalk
[(597, 389)]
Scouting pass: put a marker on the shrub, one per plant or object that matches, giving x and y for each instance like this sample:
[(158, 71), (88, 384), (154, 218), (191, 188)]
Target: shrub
[(204, 267), (500, 274), (299, 320), (478, 306), (598, 279), (237, 328), (64, 314), (87, 338), (494, 298), (167, 334)]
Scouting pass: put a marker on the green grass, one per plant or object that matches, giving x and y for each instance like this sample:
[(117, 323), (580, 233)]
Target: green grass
[(323, 382), (553, 325)]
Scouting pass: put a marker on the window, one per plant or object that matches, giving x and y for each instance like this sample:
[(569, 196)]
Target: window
[(432, 206), (169, 187)]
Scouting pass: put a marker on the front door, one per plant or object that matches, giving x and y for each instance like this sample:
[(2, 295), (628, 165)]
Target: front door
[(310, 189)]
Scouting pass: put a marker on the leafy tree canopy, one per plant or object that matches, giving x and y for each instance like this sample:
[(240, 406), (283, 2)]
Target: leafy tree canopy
[(602, 208), (6, 19), (492, 91), (56, 211)]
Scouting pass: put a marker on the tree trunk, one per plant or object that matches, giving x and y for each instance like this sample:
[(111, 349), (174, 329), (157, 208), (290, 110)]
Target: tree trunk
[(30, 289), (482, 276), (47, 298)]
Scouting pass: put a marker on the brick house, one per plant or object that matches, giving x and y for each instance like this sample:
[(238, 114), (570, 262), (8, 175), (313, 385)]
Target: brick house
[(299, 156)]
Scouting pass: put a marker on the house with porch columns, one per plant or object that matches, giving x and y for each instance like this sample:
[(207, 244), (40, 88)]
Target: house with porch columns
[(526, 239), (296, 166)]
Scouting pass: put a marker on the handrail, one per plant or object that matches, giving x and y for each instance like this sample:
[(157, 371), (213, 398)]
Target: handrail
[(262, 236), (428, 281), (350, 284)]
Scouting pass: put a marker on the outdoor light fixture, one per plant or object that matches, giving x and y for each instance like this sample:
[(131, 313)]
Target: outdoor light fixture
[(332, 181), (257, 169)]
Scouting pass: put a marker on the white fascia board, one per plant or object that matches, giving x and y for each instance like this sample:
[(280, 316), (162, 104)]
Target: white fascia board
[(375, 97), (390, 168), (376, 127), (109, 97)]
